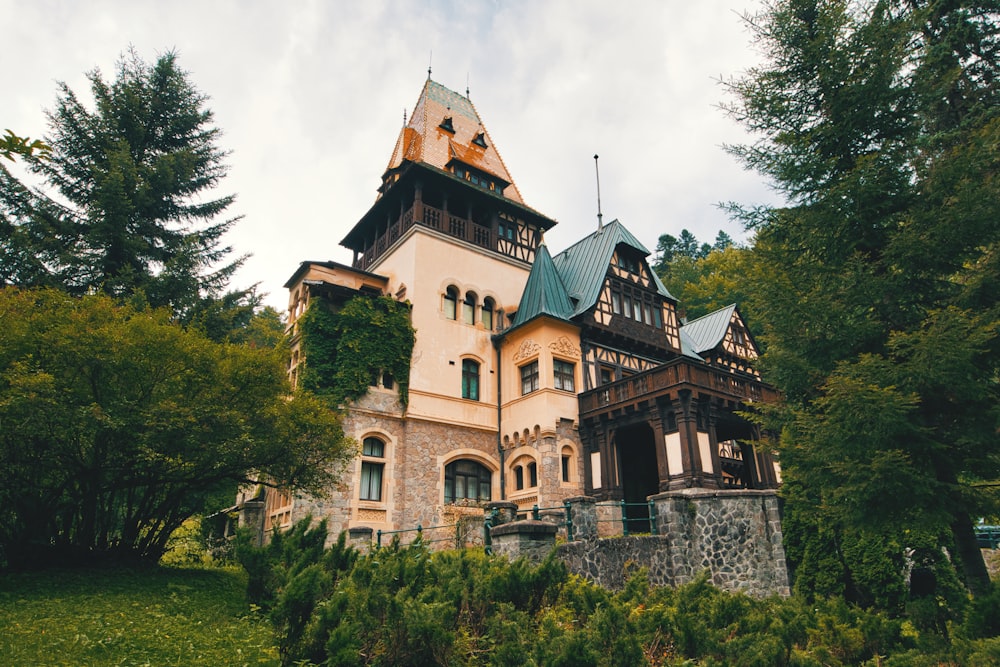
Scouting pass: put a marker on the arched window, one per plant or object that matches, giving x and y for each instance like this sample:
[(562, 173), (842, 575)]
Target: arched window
[(532, 474), (372, 469), (470, 379), (450, 302), (467, 480), (518, 478), (469, 308), (489, 307)]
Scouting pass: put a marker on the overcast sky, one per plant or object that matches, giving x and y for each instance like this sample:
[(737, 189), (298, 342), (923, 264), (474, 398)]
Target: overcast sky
[(310, 97)]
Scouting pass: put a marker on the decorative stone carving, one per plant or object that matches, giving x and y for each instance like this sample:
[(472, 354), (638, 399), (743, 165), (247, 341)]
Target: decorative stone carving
[(565, 347), (529, 348), (371, 515)]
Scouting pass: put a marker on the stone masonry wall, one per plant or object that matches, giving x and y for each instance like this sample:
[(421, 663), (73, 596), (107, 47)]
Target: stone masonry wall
[(734, 534)]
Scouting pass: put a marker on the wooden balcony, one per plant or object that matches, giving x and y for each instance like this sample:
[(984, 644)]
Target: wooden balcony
[(444, 222), (669, 379)]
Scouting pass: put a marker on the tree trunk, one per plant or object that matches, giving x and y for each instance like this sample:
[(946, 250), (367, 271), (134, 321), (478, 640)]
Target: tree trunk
[(970, 557)]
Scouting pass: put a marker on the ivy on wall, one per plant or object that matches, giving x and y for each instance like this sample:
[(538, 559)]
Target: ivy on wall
[(345, 349)]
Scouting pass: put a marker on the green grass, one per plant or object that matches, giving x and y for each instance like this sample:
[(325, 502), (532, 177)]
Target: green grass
[(157, 616)]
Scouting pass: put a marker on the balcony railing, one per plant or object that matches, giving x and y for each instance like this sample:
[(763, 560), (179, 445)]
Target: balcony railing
[(433, 218), (674, 375)]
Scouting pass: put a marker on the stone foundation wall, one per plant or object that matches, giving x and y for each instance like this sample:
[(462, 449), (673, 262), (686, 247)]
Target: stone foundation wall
[(734, 534)]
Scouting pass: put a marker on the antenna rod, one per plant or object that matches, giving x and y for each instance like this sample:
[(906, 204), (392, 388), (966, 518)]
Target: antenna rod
[(600, 217), (430, 59)]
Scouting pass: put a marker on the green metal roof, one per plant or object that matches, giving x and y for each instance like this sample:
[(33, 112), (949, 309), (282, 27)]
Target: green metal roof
[(705, 333), (584, 264), (544, 293)]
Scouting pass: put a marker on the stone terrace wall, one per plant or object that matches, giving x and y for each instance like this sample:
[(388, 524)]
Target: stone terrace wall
[(733, 534)]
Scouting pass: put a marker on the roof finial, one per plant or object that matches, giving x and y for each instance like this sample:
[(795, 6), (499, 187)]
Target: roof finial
[(466, 85), (404, 116), (600, 217), (430, 59)]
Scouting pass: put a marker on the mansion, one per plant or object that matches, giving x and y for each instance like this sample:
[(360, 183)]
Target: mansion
[(535, 377)]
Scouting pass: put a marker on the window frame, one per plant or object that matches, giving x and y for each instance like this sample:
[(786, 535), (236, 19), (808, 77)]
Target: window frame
[(450, 305), (372, 462), (529, 377), (452, 475), (470, 379), (560, 376)]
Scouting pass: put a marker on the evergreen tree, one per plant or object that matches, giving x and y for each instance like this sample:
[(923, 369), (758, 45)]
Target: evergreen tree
[(127, 208), (879, 123)]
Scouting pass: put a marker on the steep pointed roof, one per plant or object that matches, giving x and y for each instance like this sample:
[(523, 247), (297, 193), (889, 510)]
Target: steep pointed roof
[(445, 127), (544, 293), (584, 264), (706, 332)]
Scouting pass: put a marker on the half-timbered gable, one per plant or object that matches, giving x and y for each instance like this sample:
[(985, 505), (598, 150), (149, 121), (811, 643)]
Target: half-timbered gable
[(723, 339)]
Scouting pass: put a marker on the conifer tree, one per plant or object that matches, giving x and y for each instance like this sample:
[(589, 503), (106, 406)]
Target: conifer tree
[(128, 204), (880, 123)]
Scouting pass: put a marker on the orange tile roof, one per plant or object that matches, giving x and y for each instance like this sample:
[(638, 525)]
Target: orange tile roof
[(424, 140)]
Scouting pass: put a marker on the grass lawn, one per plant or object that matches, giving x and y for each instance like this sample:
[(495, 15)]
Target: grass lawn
[(157, 616)]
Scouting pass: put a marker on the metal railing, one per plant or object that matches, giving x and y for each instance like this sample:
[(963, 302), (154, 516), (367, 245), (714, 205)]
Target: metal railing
[(454, 538), (625, 519), (567, 522), (988, 536)]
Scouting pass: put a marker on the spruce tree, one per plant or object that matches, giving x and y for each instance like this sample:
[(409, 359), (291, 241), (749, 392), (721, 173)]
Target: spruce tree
[(128, 206)]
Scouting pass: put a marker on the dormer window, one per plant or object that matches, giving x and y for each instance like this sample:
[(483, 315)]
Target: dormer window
[(480, 140), (446, 125)]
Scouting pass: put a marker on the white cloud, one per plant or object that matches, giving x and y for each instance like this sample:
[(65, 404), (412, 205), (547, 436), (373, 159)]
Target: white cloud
[(310, 96)]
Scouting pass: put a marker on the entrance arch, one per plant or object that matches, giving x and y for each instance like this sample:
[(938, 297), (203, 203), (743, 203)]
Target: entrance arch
[(640, 477)]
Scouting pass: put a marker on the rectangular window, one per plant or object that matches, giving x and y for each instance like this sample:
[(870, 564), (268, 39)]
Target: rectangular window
[(529, 378), (616, 303), (469, 311), (565, 468), (371, 480), (628, 306), (487, 317), (532, 474), (470, 379), (518, 478), (564, 372), (637, 310), (607, 375), (657, 317)]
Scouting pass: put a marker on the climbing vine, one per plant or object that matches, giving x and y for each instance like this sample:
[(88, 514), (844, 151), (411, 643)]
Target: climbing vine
[(345, 349)]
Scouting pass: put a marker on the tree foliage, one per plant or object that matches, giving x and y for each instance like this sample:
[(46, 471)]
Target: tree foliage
[(116, 424), (345, 349), (127, 207), (875, 287)]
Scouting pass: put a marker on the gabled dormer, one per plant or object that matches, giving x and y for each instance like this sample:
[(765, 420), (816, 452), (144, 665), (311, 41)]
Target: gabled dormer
[(723, 339), (617, 296)]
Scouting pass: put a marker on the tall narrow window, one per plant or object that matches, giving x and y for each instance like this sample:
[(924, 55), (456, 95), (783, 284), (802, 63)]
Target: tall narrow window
[(470, 379), (469, 308), (451, 302), (488, 307), (466, 480), (565, 467), (372, 467), (518, 478), (616, 303), (532, 474), (529, 378), (563, 375)]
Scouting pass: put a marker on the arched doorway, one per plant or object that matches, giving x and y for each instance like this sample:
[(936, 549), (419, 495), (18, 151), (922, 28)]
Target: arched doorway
[(639, 473)]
